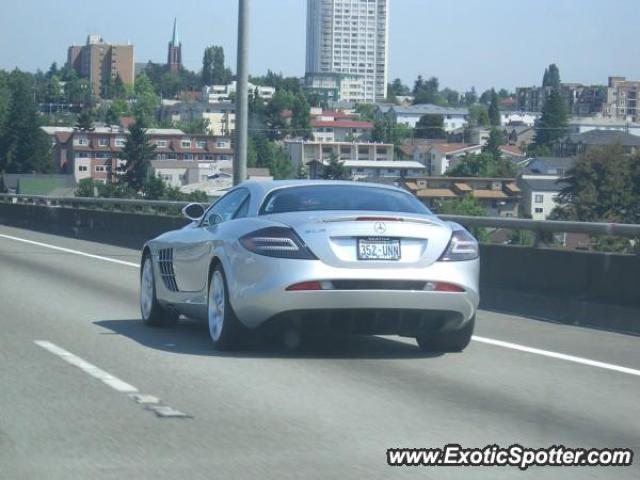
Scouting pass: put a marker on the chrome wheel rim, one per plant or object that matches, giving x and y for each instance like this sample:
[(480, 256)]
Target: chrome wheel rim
[(146, 289), (216, 306)]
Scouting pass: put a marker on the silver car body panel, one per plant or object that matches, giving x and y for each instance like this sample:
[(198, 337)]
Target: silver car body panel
[(257, 284)]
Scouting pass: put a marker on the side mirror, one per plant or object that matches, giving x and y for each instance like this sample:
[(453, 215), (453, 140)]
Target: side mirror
[(193, 211)]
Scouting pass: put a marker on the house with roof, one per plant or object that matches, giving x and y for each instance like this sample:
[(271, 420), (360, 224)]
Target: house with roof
[(500, 197), (556, 166), (578, 144), (453, 118), (539, 195)]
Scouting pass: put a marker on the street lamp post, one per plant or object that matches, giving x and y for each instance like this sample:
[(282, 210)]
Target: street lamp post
[(242, 95)]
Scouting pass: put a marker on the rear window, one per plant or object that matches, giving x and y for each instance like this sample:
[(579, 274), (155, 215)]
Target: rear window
[(340, 197)]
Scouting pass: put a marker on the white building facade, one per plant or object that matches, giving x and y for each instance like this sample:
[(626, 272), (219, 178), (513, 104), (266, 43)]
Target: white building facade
[(350, 37)]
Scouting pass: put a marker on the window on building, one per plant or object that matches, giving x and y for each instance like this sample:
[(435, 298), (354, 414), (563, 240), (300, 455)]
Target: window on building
[(538, 198), (120, 141), (103, 142), (101, 168), (201, 144), (161, 143), (188, 156), (186, 143), (83, 168), (82, 141), (539, 210)]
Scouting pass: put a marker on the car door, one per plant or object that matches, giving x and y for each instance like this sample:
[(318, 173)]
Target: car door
[(191, 254)]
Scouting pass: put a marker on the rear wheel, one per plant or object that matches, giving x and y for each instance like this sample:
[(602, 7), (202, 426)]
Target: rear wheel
[(225, 329), (454, 341), (153, 314)]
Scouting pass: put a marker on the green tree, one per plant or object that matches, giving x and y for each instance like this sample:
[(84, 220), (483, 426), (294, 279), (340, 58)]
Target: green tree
[(300, 116), (335, 170), (478, 116), (425, 91), (366, 112), (119, 89), (86, 188), (386, 130), (154, 188), (551, 77), (213, 70), (481, 165), (24, 147), (430, 127), (553, 122), (84, 123), (604, 186), (470, 207), (470, 97), (495, 141), (146, 100), (398, 88), (494, 111), (137, 153), (199, 126)]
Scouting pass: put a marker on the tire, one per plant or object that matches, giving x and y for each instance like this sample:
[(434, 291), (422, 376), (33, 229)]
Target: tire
[(225, 330), (153, 314), (447, 342)]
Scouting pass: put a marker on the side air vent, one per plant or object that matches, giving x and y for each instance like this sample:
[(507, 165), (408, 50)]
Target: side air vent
[(165, 262)]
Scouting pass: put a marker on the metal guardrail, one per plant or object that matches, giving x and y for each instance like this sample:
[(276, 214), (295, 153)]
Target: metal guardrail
[(536, 226)]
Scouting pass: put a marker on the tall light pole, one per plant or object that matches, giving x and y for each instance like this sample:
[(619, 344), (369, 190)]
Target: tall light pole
[(242, 95)]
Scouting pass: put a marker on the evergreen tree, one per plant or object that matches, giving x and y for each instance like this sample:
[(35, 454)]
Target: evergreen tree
[(24, 147), (300, 116), (119, 89), (552, 124), (481, 165), (551, 77), (137, 152), (334, 170), (430, 127), (213, 70), (84, 123), (494, 111), (496, 140)]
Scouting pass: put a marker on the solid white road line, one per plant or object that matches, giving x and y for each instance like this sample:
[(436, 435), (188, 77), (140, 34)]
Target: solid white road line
[(559, 356), (488, 341), (68, 250), (105, 377)]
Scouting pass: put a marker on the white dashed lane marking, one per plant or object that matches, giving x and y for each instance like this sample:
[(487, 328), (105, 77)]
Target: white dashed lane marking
[(152, 403)]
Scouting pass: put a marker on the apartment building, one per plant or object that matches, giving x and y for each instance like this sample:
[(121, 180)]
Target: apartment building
[(329, 126), (225, 93), (580, 99), (102, 62), (334, 87), (350, 37), (500, 197), (95, 154), (221, 116), (622, 99)]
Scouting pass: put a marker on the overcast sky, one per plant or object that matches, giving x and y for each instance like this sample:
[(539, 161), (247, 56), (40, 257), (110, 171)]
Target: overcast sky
[(501, 43)]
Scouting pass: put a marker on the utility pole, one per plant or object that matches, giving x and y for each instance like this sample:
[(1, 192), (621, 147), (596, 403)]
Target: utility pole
[(242, 95)]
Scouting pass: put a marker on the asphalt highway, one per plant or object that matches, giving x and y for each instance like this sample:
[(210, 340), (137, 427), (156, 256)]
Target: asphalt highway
[(86, 391)]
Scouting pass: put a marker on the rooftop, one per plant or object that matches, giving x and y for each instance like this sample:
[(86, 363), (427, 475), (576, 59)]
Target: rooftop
[(541, 183), (605, 137)]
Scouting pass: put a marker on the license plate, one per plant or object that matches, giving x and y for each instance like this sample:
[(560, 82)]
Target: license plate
[(378, 249)]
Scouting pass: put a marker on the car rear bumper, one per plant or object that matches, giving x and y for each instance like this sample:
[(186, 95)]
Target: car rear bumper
[(258, 294)]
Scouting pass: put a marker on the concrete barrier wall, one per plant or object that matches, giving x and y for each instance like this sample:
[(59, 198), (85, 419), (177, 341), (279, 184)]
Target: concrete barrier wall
[(594, 289), (599, 277)]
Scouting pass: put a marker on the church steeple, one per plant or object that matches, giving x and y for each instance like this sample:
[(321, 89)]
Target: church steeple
[(175, 40), (174, 54)]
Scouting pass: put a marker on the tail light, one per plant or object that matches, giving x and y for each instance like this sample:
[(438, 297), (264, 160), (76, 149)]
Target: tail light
[(443, 287), (462, 246), (278, 242)]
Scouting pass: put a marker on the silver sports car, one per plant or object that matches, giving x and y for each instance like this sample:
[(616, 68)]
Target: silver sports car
[(315, 255)]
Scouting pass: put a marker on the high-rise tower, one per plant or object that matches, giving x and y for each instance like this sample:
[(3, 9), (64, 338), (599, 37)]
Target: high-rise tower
[(350, 36)]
